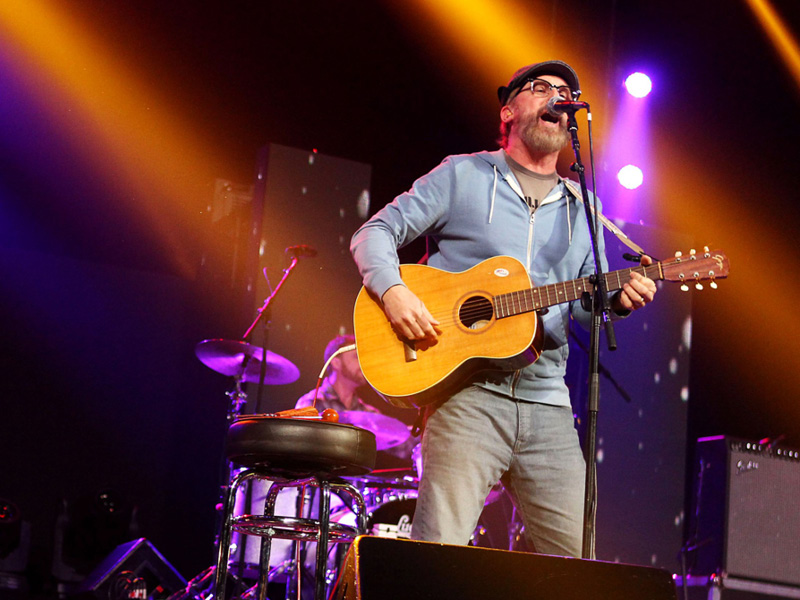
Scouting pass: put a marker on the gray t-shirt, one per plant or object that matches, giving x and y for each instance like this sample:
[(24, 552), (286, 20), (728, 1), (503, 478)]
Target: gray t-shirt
[(535, 186)]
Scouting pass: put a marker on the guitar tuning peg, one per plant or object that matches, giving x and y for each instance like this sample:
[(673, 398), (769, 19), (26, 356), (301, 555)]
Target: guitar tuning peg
[(698, 286), (706, 251), (684, 287), (692, 252), (713, 284), (678, 255)]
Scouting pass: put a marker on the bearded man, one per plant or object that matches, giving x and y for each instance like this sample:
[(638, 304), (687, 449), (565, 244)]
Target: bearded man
[(513, 426)]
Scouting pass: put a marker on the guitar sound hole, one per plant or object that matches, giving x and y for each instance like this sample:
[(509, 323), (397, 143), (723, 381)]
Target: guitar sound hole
[(476, 312)]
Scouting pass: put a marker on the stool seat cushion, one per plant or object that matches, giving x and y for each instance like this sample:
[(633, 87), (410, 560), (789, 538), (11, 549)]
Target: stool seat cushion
[(297, 448)]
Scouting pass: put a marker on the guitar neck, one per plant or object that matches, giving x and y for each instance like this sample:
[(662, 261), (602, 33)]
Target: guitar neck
[(522, 301)]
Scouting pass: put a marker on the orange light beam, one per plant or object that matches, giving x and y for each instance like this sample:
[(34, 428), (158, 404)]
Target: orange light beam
[(779, 34), (124, 129), (490, 39)]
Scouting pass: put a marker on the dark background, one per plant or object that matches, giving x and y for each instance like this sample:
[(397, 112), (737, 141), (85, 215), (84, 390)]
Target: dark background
[(107, 235)]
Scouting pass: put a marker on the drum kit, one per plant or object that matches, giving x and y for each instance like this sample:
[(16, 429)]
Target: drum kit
[(390, 495)]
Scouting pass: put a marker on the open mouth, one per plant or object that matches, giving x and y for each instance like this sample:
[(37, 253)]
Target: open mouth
[(546, 116)]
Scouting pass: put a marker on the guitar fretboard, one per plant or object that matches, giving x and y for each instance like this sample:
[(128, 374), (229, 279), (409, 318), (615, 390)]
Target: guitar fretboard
[(522, 301)]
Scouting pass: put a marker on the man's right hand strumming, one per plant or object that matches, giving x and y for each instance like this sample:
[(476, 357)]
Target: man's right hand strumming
[(408, 315)]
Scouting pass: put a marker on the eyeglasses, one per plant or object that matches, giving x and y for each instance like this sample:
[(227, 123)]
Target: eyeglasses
[(542, 88)]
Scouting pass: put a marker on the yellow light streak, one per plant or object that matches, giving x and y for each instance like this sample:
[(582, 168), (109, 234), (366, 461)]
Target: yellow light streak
[(489, 40), (779, 34)]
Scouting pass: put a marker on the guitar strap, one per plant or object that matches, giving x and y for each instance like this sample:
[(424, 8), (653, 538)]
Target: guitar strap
[(575, 191)]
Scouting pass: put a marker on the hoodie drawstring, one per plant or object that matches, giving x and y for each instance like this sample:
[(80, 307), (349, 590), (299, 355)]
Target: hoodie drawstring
[(569, 217), (494, 193)]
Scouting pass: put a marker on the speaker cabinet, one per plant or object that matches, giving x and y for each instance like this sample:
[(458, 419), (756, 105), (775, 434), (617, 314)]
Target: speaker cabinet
[(392, 569), (745, 518), (132, 570), (730, 588)]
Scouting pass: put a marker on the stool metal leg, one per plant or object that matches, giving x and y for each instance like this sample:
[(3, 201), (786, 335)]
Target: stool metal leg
[(266, 543), (358, 501), (224, 549), (322, 542), (293, 579), (360, 509)]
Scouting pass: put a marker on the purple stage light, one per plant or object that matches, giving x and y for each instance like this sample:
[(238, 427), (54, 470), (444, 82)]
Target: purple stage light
[(638, 85), (630, 177)]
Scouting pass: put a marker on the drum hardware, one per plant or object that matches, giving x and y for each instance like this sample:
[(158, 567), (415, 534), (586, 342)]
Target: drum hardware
[(201, 587), (238, 398), (243, 361), (516, 533)]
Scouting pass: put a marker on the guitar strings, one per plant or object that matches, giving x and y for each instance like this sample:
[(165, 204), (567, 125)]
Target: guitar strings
[(483, 312)]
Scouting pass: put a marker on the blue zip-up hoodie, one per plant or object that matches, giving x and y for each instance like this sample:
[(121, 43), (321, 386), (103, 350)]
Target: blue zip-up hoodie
[(472, 208)]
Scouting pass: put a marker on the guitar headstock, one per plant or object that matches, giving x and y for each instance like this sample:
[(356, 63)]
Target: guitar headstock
[(708, 266)]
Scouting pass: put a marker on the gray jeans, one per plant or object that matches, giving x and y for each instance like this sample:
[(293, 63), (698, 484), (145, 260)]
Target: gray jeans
[(478, 437)]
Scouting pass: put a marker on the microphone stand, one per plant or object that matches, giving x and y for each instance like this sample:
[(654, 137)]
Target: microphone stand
[(601, 313), (266, 310), (238, 397), (602, 370)]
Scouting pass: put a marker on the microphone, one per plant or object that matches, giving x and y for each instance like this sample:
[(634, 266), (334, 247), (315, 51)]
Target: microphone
[(300, 251), (556, 106)]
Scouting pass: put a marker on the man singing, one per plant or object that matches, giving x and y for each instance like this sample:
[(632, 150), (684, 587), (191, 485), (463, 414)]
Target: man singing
[(515, 426)]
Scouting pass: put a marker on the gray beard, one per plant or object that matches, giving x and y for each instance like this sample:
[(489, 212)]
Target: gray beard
[(543, 141)]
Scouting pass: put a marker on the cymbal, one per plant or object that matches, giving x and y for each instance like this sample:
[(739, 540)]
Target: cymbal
[(240, 359), (389, 432)]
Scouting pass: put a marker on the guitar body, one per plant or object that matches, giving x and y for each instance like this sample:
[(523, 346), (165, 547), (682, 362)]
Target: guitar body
[(471, 339)]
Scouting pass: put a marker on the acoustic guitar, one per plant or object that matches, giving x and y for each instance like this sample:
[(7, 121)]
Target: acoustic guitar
[(489, 318)]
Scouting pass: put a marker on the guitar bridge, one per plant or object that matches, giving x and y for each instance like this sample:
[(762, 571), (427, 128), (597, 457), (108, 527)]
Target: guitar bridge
[(409, 350)]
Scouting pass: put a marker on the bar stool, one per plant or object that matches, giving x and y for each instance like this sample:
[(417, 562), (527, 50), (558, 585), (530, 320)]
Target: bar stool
[(292, 453)]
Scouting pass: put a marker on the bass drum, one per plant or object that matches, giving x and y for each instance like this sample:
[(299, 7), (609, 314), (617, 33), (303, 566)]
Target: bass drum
[(392, 518)]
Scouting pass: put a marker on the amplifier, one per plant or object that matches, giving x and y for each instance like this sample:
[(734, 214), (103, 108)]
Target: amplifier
[(745, 520), (730, 588)]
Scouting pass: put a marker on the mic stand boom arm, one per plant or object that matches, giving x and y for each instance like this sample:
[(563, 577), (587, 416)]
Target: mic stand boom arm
[(266, 310), (601, 311)]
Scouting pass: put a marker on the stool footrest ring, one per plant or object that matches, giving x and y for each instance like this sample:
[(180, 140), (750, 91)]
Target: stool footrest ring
[(291, 528)]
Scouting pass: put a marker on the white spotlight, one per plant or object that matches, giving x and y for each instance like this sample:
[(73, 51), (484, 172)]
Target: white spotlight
[(630, 177), (638, 85)]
